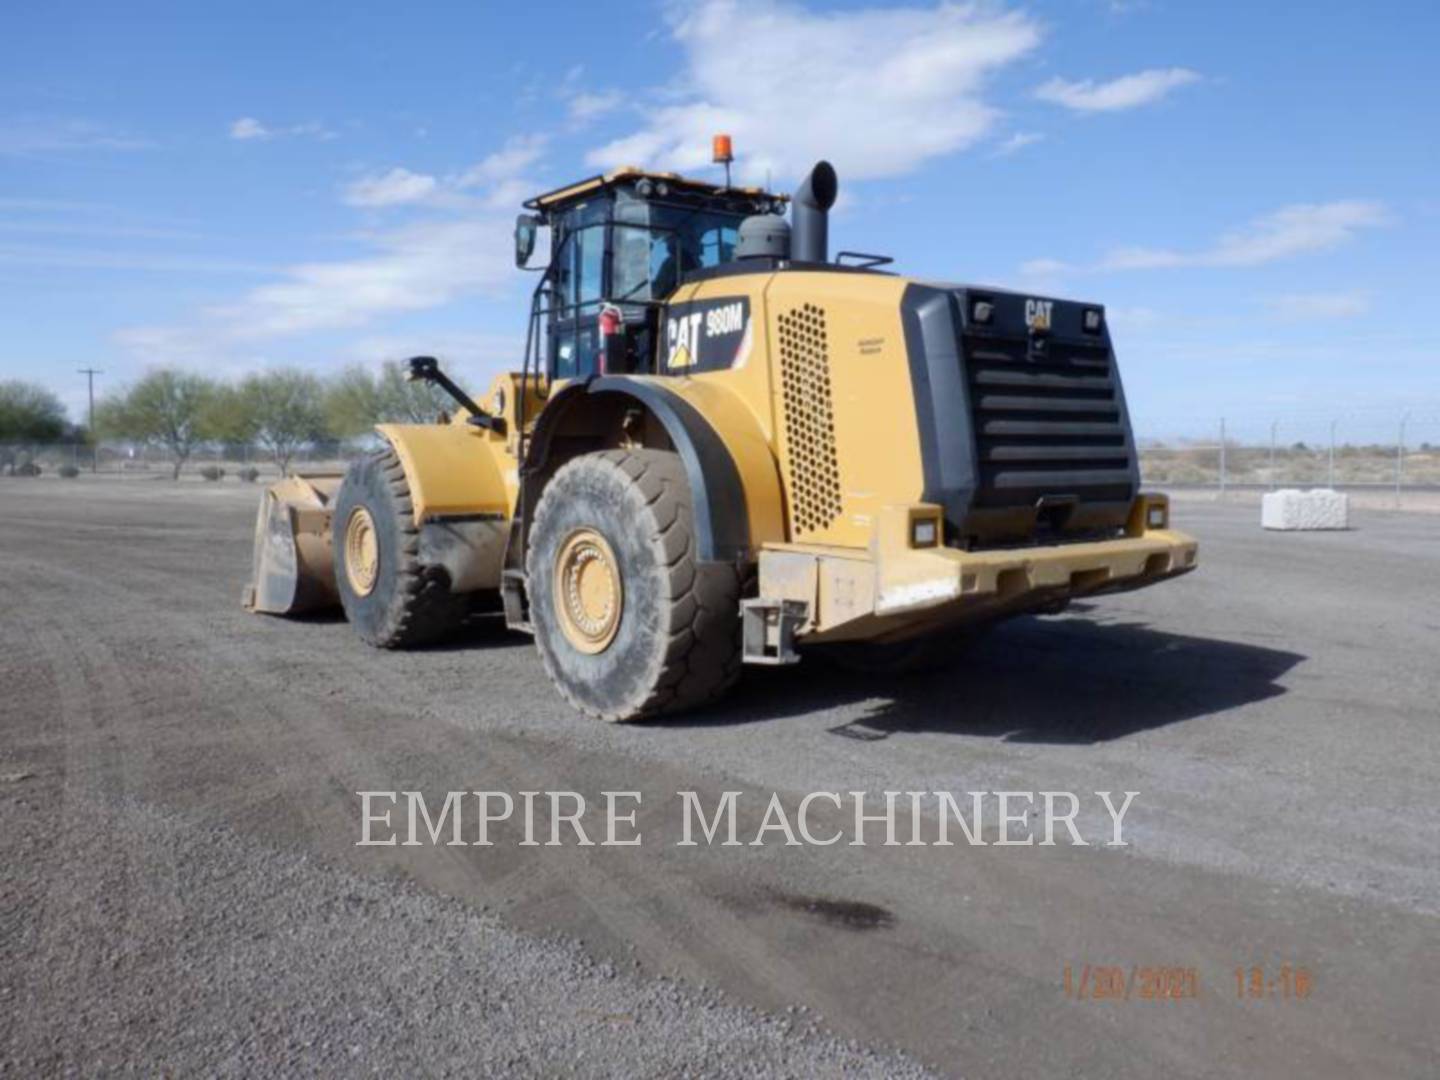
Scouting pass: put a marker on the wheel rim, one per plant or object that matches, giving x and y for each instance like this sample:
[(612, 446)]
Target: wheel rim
[(589, 597), (362, 552)]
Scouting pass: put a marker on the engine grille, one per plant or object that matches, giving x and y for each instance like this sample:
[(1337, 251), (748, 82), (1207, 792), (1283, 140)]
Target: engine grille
[(813, 472), (1047, 426)]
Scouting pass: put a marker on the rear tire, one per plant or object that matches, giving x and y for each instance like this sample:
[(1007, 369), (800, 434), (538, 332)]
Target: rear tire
[(392, 599), (629, 623)]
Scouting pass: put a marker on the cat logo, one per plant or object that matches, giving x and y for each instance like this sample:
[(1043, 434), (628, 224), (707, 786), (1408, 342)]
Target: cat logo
[(1037, 314), (705, 335), (683, 338)]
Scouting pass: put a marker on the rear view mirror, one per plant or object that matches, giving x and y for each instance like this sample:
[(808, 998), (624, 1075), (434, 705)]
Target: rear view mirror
[(526, 228)]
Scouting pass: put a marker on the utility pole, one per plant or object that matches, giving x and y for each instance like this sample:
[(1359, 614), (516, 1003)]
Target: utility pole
[(90, 374), (1332, 454)]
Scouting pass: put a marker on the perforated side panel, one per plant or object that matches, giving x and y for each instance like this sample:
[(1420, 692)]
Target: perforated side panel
[(813, 471)]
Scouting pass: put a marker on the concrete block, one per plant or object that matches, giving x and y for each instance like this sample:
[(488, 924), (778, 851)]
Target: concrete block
[(1291, 508)]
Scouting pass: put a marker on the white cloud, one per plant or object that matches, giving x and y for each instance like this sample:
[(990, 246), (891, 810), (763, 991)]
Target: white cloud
[(39, 136), (421, 266), (1308, 307), (1301, 229), (313, 130), (1044, 268), (507, 163), (1289, 231), (496, 182), (1126, 92), (876, 91), (75, 258), (247, 127), (51, 227), (510, 194), (1017, 142), (587, 106), (389, 189), (167, 345), (461, 249)]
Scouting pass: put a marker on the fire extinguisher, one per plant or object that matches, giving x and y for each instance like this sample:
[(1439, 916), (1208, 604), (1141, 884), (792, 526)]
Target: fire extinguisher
[(611, 322)]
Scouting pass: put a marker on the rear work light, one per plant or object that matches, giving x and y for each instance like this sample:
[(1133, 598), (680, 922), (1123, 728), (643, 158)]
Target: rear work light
[(982, 311), (1093, 320)]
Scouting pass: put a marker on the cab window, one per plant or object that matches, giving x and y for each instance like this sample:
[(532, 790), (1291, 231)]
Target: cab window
[(657, 245), (717, 243), (579, 291)]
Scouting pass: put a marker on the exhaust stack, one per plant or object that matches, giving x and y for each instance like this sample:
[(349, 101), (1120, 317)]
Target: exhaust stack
[(810, 207)]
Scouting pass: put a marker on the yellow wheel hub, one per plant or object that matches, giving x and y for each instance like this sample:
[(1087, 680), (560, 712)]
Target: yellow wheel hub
[(362, 552), (588, 594)]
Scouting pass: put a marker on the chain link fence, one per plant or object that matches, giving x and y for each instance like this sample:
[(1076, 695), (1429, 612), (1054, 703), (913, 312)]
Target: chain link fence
[(1364, 453), (1293, 450), (1237, 466), (246, 463)]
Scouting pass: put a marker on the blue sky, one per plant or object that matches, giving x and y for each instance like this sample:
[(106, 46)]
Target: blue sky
[(1250, 188)]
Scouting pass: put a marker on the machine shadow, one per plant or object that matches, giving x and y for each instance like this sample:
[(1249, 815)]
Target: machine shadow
[(485, 630), (1062, 681)]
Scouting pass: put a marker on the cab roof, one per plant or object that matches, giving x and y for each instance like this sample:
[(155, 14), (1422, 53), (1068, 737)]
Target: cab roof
[(632, 172)]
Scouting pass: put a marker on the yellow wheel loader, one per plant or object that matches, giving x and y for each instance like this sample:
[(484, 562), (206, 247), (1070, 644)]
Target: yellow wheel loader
[(724, 446)]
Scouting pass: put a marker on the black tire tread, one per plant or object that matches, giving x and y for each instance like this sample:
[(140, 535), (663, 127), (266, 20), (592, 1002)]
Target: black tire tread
[(701, 654), (422, 609)]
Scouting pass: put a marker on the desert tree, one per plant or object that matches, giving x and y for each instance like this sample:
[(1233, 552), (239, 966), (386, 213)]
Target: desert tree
[(168, 407), (285, 409), (358, 399), (230, 417), (29, 414)]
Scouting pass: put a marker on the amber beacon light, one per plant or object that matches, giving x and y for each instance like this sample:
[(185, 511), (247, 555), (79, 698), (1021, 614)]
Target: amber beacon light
[(722, 153)]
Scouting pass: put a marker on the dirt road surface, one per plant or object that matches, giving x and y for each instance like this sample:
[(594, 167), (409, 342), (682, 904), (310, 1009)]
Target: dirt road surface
[(182, 890)]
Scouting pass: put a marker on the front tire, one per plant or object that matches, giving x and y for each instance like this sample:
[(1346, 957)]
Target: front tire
[(392, 599), (629, 623)]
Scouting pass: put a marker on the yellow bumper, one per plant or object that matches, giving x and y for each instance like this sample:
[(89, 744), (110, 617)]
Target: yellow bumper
[(924, 579), (893, 590)]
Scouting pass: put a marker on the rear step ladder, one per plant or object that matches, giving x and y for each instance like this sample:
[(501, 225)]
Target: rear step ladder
[(515, 601), (768, 630)]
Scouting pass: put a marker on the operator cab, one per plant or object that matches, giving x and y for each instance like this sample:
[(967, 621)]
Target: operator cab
[(620, 244)]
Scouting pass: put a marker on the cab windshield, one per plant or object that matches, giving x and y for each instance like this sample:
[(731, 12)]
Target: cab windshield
[(656, 244)]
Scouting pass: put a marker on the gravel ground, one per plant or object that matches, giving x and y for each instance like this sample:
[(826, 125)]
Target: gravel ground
[(183, 892), (189, 951)]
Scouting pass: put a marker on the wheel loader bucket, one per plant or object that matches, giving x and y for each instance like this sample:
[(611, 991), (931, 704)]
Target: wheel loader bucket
[(293, 572)]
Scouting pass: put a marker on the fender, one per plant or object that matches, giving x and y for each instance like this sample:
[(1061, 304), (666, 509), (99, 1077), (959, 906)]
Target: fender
[(722, 520), (450, 468), (461, 500)]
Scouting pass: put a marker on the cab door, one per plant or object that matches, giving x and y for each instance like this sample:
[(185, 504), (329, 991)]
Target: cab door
[(578, 293)]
